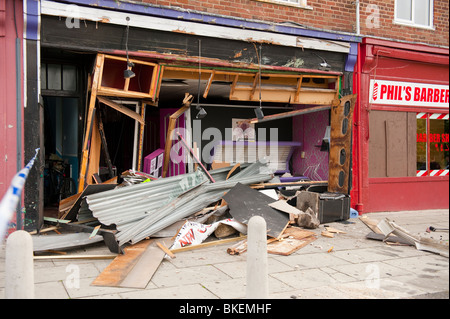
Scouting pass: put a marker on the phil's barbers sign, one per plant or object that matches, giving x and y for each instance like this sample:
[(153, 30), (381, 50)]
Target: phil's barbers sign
[(408, 94)]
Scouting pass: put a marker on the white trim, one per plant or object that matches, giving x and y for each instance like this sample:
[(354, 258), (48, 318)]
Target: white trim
[(146, 22), (299, 5)]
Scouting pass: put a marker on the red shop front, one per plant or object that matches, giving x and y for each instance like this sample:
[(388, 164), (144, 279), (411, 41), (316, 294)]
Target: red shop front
[(401, 127)]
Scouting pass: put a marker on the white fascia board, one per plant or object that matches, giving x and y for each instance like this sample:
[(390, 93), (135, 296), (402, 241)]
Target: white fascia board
[(207, 30)]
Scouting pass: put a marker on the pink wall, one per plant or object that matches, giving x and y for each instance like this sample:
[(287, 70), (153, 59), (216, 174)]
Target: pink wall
[(309, 129), (8, 135)]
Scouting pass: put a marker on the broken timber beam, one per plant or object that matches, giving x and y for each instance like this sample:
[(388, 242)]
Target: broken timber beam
[(287, 114), (91, 111)]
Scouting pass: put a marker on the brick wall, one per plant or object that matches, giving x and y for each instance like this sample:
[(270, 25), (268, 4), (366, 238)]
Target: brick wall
[(338, 15)]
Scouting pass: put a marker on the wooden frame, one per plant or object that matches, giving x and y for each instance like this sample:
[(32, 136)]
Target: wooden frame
[(275, 87), (125, 91)]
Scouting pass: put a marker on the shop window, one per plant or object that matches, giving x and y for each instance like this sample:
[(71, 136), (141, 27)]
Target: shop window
[(417, 13), (58, 77), (432, 144)]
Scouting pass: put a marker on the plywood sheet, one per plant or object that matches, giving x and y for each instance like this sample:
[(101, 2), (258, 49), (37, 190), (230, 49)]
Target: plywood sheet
[(287, 246), (135, 268)]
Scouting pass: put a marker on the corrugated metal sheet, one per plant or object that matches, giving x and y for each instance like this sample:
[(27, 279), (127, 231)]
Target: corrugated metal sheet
[(140, 210)]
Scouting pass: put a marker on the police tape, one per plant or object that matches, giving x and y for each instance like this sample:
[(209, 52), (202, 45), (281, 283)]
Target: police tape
[(8, 204)]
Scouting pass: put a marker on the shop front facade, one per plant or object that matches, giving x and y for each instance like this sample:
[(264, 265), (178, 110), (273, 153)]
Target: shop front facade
[(401, 137), (231, 67)]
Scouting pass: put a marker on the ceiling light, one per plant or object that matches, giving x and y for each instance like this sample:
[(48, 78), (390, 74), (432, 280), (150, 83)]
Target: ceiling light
[(259, 113), (128, 74)]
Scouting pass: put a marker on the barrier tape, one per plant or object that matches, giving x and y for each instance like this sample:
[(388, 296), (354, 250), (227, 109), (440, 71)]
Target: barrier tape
[(435, 172), (11, 199)]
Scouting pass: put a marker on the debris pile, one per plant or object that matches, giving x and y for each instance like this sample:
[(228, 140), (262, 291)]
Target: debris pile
[(390, 232), (144, 220)]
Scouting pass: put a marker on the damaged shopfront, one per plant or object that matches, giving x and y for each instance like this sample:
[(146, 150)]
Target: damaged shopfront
[(131, 94)]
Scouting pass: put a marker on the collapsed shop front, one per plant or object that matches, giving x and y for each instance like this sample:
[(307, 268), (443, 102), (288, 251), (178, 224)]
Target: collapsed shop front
[(121, 97), (403, 131)]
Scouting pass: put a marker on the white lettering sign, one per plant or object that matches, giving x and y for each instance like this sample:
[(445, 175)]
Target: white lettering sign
[(408, 94)]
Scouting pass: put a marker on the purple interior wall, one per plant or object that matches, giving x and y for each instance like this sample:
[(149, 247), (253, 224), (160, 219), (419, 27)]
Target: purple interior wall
[(309, 129)]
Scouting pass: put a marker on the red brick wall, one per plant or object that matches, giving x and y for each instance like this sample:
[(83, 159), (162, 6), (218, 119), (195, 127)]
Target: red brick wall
[(339, 15)]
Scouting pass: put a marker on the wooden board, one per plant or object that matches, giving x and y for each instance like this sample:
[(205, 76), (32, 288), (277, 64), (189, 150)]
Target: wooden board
[(245, 202), (142, 272), (134, 268), (117, 270), (288, 246)]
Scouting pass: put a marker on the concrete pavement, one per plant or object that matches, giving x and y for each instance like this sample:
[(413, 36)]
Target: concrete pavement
[(348, 266)]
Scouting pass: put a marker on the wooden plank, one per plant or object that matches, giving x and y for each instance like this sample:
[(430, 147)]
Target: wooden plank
[(287, 246), (208, 85), (142, 272), (123, 109), (119, 268), (372, 224), (94, 153), (208, 244), (141, 138), (287, 114), (91, 111), (166, 250)]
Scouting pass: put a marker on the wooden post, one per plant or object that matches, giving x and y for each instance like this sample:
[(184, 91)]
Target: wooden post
[(88, 129)]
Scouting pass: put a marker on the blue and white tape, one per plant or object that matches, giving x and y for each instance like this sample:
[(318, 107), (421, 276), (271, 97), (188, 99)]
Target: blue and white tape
[(9, 203)]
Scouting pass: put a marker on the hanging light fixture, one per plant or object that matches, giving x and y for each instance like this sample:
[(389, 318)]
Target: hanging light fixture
[(201, 111), (128, 73), (258, 111), (324, 66)]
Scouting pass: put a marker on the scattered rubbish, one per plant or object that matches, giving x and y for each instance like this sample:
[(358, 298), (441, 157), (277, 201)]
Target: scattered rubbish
[(193, 233), (334, 230), (308, 219), (389, 232), (293, 239), (353, 213), (134, 268), (245, 202), (389, 227), (330, 250), (328, 234), (433, 229)]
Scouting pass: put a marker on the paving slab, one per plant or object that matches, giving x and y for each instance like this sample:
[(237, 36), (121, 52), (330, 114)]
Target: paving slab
[(238, 269), (236, 288), (187, 276), (317, 260), (192, 291)]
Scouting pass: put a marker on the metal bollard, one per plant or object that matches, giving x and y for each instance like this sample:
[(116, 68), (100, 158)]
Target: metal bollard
[(257, 264), (19, 268)]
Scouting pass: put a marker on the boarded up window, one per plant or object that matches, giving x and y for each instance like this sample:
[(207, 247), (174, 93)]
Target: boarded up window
[(392, 144)]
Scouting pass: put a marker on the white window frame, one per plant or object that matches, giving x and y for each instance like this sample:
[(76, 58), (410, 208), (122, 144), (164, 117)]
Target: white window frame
[(411, 22)]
